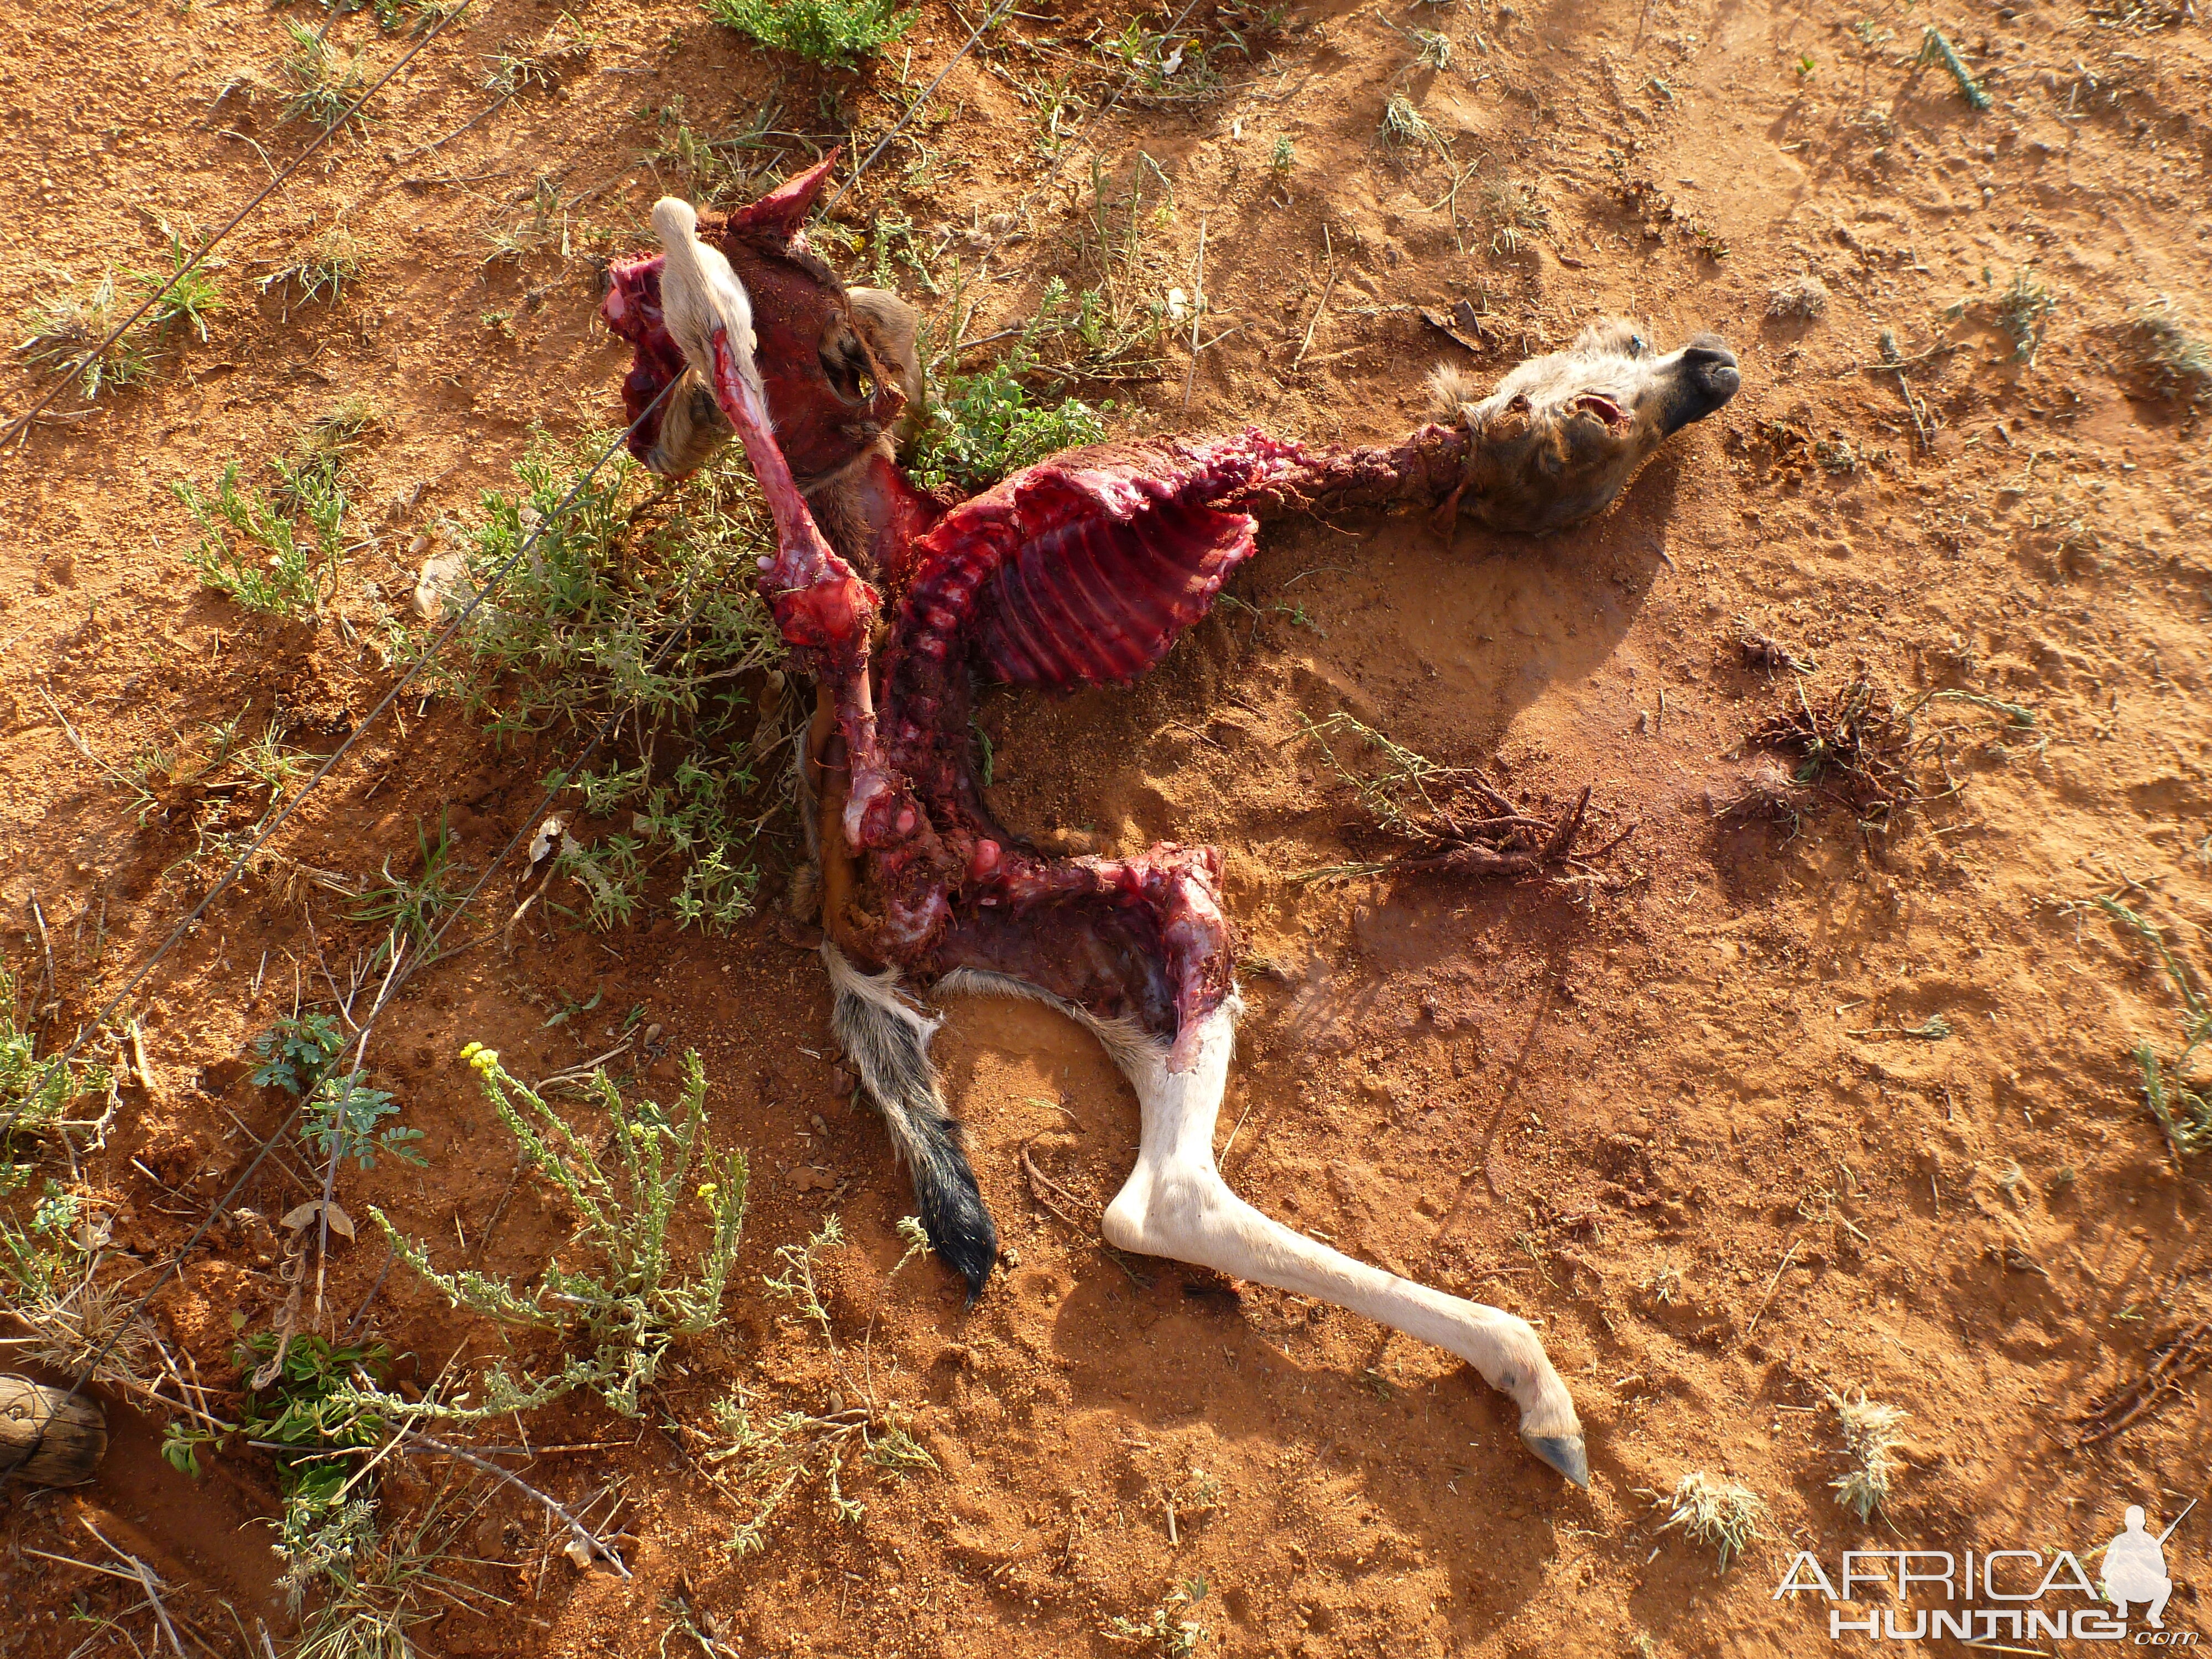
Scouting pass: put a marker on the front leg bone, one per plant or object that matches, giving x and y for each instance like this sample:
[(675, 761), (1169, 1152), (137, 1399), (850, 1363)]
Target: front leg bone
[(1177, 1205)]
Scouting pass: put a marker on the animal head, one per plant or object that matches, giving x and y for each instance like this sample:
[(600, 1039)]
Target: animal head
[(838, 367), (1560, 437)]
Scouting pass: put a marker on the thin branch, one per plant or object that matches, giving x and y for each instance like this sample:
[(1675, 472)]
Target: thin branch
[(579, 1534)]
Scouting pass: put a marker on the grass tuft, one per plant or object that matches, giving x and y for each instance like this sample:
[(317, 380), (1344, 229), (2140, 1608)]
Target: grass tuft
[(2022, 311), (322, 268), (64, 326), (1870, 1438), (252, 550), (1720, 1515), (50, 1282), (2177, 1097), (320, 82)]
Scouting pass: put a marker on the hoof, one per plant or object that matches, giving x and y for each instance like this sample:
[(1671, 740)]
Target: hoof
[(1564, 1453)]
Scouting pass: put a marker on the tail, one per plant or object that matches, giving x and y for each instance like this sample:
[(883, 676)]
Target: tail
[(888, 1041)]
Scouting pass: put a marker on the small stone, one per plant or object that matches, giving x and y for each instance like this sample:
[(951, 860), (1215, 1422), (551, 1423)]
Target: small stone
[(820, 1127)]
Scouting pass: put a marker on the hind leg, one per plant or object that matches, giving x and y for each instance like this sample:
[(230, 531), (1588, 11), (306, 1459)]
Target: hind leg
[(1177, 1205)]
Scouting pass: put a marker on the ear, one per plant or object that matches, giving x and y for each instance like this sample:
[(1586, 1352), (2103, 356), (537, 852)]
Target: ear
[(780, 214), (891, 325), (1510, 422)]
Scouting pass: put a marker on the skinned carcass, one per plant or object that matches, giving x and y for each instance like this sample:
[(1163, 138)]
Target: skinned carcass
[(1081, 570)]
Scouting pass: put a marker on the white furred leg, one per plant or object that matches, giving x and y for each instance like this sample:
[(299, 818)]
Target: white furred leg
[(1177, 1205)]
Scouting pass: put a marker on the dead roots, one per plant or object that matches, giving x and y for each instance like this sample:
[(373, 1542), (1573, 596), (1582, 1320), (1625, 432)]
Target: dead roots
[(1851, 747), (2173, 1364), (1457, 822)]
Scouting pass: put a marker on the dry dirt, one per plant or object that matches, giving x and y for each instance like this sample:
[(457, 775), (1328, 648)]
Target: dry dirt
[(1646, 1114)]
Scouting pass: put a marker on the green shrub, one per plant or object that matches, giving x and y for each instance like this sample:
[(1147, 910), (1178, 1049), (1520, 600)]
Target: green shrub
[(629, 1307), (643, 606), (833, 31)]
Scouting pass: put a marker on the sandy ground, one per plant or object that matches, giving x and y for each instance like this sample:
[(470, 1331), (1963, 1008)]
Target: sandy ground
[(1673, 1119)]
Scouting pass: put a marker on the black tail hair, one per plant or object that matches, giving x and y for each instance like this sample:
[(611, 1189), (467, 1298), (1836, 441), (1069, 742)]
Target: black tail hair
[(887, 1040)]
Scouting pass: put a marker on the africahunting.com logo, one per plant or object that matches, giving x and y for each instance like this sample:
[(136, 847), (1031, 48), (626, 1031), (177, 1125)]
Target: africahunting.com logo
[(1996, 1595)]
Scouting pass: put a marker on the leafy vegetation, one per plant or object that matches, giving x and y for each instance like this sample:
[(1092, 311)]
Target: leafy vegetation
[(251, 549), (831, 32), (985, 425), (642, 607), (628, 1309), (340, 1112)]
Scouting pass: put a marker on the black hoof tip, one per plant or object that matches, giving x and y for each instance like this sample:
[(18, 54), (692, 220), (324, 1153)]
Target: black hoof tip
[(1564, 1453)]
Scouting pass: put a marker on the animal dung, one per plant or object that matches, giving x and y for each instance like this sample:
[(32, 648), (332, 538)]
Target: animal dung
[(48, 1437)]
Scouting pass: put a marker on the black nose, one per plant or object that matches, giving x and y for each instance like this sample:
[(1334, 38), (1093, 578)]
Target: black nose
[(1710, 378)]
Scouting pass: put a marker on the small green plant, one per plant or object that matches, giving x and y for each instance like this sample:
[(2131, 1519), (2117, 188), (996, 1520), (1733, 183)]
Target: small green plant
[(629, 1307), (1870, 1438), (296, 1051), (320, 82), (830, 32), (340, 1120), (251, 548), (306, 1412), (1721, 1515), (1169, 1631), (984, 426), (1805, 66), (2176, 361), (341, 1112), (34, 1092), (321, 268), (1936, 47), (65, 326), (191, 296), (413, 906), (1432, 49), (2177, 1097), (2022, 310), (1282, 156)]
